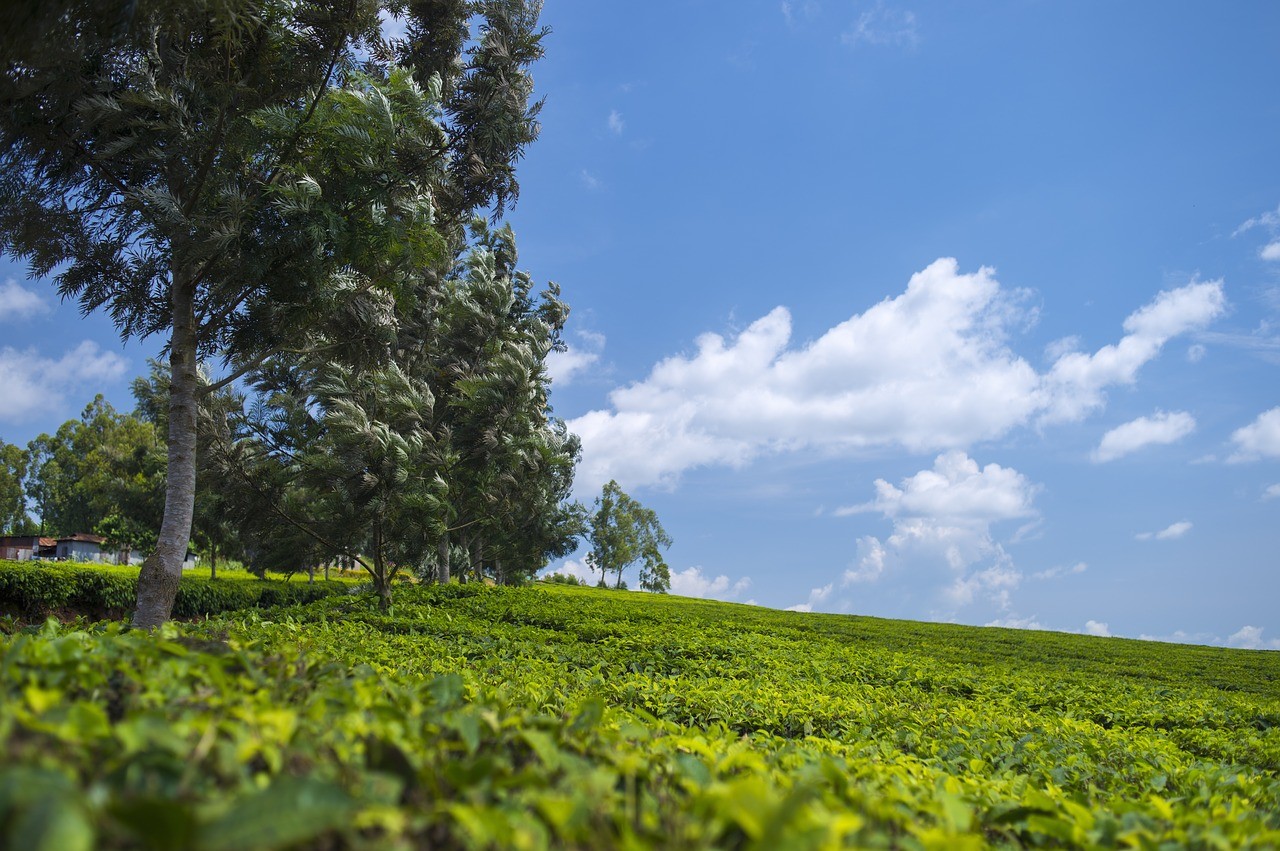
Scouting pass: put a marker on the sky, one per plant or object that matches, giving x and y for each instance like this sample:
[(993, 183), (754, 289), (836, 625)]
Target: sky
[(895, 309)]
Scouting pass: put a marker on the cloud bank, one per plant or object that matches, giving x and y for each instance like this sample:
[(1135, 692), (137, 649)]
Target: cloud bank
[(928, 370), (30, 382)]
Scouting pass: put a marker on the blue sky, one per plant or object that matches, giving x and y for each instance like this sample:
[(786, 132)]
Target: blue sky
[(897, 309)]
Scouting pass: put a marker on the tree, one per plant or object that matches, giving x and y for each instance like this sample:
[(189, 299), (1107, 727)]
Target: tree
[(101, 464), (622, 532), (13, 504), (226, 172)]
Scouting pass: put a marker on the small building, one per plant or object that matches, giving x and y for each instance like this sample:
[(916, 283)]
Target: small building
[(26, 547), (81, 547)]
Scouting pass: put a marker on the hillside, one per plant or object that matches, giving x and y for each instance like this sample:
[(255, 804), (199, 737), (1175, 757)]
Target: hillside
[(471, 717)]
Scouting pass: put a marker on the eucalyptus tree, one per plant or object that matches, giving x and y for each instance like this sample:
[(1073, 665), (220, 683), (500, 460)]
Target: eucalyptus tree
[(621, 532), (13, 503), (223, 172)]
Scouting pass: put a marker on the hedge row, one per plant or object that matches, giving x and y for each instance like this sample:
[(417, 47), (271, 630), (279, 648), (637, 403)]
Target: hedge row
[(35, 590)]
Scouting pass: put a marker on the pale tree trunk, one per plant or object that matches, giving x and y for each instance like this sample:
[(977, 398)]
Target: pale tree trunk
[(311, 574), (158, 579), (442, 570)]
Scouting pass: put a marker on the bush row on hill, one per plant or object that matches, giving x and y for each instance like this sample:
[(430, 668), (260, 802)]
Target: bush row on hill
[(557, 717), (34, 590)]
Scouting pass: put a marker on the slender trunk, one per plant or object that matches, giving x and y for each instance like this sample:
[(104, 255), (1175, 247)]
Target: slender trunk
[(381, 581), (326, 570), (442, 570), (477, 555), (158, 579), (213, 562), (311, 574)]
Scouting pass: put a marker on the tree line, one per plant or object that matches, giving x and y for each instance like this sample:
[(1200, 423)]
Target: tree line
[(306, 208)]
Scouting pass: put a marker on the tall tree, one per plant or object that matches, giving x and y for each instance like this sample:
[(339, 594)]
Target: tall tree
[(205, 170), (622, 532), (13, 503)]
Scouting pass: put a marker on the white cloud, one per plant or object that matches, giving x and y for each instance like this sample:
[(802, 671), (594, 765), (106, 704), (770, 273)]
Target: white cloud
[(29, 382), (17, 302), (816, 596), (927, 370), (616, 124), (572, 567), (1014, 622), (1250, 638), (1097, 628), (1260, 438), (1270, 251), (589, 180), (564, 366), (955, 491), (793, 11), (1272, 492), (1196, 353), (943, 517), (691, 582), (1061, 570), (1169, 533), (1161, 429), (1269, 220), (883, 24), (1075, 385)]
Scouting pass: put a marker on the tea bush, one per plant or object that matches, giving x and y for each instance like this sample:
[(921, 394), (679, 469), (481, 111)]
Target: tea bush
[(557, 716)]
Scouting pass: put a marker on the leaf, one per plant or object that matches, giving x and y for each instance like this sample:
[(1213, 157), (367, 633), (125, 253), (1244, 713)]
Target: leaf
[(289, 811), (52, 823)]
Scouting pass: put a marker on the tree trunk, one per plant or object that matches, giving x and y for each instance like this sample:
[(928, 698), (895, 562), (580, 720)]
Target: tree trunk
[(326, 570), (477, 554), (213, 562), (158, 579), (311, 574), (442, 570)]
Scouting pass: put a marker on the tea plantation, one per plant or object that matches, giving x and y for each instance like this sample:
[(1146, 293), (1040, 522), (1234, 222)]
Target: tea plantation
[(549, 716)]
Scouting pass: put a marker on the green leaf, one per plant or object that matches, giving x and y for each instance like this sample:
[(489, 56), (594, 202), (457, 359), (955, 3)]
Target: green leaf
[(289, 811)]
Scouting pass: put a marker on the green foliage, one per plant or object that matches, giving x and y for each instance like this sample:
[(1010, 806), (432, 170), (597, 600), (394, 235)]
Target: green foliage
[(622, 532), (13, 507), (101, 465), (34, 590), (553, 716)]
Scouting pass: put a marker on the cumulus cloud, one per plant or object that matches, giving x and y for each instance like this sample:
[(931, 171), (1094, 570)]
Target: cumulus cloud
[(575, 359), (30, 382), (615, 122), (692, 582), (17, 302), (927, 370), (1245, 638), (1160, 429), (1250, 638), (1075, 386), (1015, 622), (1169, 533), (1097, 628), (1272, 492), (1261, 438), (944, 517), (1270, 251), (572, 567)]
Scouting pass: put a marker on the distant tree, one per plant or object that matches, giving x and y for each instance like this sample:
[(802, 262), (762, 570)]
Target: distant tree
[(101, 464), (13, 503), (622, 532)]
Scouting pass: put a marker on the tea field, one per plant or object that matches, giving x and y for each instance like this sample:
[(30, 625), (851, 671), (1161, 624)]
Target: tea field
[(553, 716)]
